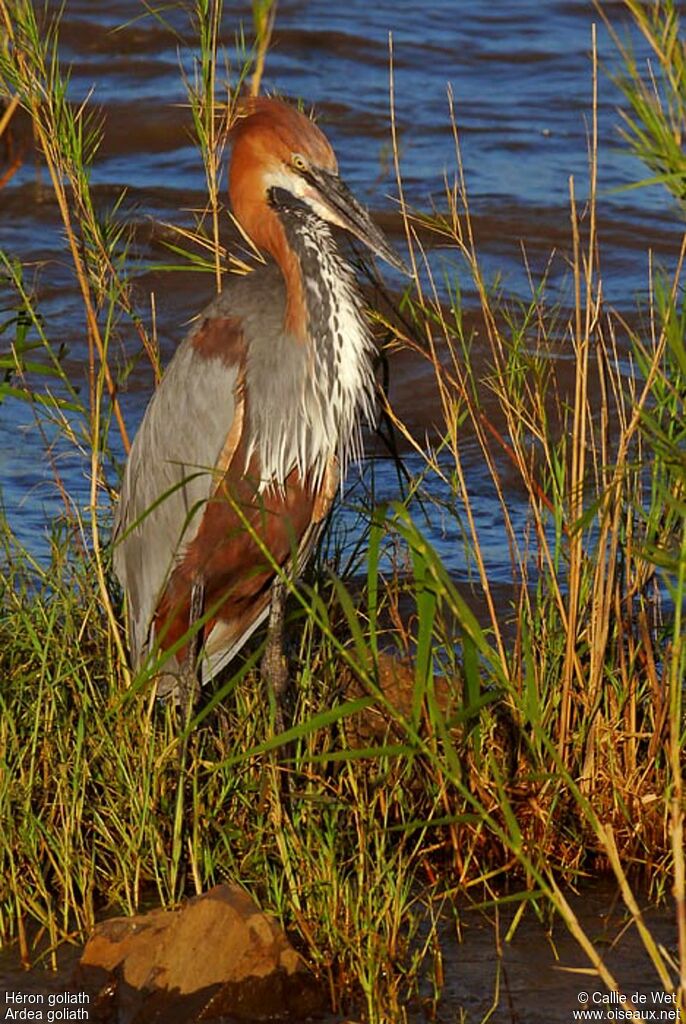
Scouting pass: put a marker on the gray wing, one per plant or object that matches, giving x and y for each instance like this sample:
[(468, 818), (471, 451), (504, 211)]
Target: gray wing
[(171, 472), (222, 645)]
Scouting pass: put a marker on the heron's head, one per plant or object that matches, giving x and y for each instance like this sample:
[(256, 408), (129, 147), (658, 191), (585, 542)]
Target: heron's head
[(279, 156)]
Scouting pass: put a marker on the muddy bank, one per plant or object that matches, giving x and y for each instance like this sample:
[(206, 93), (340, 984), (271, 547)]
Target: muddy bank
[(537, 975)]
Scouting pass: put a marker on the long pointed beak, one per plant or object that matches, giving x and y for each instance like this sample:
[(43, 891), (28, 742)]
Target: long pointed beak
[(342, 208)]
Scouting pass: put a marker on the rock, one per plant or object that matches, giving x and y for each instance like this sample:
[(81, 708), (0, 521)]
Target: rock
[(216, 955)]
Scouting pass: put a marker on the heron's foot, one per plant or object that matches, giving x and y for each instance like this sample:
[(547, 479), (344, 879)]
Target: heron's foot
[(177, 687)]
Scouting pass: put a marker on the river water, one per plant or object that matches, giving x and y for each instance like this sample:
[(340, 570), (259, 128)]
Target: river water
[(520, 72)]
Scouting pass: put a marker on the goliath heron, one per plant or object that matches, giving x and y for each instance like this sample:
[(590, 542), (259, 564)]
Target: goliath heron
[(239, 454)]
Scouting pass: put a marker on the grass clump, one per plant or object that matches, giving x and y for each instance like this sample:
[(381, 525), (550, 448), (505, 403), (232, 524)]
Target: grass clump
[(435, 754), (656, 95)]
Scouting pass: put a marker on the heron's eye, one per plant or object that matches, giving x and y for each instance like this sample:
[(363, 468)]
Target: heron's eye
[(299, 162)]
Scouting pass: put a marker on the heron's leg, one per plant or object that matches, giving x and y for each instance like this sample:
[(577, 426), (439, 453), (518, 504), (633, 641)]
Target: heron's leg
[(186, 697), (189, 688), (274, 666)]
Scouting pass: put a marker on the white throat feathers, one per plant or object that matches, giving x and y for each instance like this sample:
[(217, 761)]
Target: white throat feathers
[(317, 393)]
